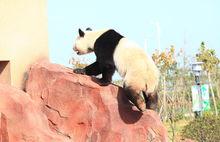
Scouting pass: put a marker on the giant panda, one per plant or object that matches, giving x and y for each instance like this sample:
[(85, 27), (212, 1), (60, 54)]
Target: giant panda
[(115, 52)]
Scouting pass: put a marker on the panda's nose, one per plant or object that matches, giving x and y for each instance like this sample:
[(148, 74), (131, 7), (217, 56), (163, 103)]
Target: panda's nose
[(76, 50)]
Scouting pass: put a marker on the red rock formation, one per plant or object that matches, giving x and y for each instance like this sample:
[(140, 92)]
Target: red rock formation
[(3, 128), (21, 119), (81, 110)]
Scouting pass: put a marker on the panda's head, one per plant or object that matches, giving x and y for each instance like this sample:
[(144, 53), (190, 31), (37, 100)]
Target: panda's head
[(84, 42)]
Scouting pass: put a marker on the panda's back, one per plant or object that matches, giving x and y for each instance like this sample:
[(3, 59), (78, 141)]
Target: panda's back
[(128, 54), (133, 64)]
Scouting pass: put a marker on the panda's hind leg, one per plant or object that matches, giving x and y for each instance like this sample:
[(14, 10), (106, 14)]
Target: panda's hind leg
[(151, 100), (135, 97)]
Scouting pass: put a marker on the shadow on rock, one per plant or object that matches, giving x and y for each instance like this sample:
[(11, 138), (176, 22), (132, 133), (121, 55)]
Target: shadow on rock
[(127, 113)]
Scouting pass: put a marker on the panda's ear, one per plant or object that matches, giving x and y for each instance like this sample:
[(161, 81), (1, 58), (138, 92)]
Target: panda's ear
[(88, 29), (81, 33)]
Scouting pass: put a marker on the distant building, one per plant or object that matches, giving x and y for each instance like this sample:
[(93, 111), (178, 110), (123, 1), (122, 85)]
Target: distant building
[(23, 38)]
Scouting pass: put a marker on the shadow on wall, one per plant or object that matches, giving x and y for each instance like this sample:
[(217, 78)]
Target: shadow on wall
[(5, 74), (25, 78)]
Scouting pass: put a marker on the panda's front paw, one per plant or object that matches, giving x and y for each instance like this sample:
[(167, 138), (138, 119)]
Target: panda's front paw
[(79, 71), (103, 82)]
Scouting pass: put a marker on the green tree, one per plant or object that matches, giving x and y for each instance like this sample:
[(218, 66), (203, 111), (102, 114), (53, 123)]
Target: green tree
[(166, 62), (210, 63)]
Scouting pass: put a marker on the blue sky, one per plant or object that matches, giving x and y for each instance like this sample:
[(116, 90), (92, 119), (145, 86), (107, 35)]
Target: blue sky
[(155, 23)]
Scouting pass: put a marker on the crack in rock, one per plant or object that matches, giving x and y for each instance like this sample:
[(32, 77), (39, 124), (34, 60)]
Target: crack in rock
[(58, 131), (56, 111), (3, 128)]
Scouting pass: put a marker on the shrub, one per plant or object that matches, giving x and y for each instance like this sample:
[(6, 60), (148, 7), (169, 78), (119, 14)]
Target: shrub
[(203, 129)]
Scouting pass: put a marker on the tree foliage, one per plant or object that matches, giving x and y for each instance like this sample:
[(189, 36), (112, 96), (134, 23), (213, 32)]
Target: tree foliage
[(165, 60), (210, 63), (76, 63), (208, 57)]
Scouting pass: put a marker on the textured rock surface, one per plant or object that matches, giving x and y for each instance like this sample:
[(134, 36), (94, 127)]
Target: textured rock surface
[(21, 119), (80, 110), (3, 128)]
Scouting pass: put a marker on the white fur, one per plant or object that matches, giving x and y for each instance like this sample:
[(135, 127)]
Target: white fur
[(135, 66), (82, 44)]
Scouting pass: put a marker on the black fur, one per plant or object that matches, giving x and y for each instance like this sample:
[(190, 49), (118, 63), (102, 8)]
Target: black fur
[(104, 48), (134, 97), (81, 33), (88, 29), (151, 100)]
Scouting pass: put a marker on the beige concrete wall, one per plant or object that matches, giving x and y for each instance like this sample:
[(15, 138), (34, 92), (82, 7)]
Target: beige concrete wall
[(23, 35)]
